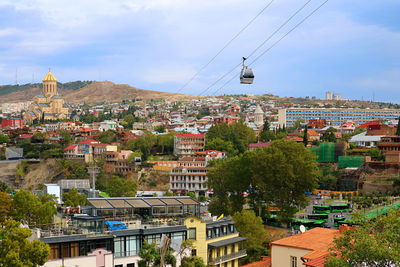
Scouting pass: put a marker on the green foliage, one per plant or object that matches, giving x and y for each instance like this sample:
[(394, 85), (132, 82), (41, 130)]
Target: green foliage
[(277, 175), (107, 137), (38, 137), (73, 169), (251, 227), (5, 207), (16, 250), (150, 144), (118, 187), (193, 261), (191, 194), (220, 145), (160, 129), (151, 256), (237, 133), (35, 211), (398, 128), (73, 198), (202, 198), (372, 243), (4, 138), (65, 138), (305, 137)]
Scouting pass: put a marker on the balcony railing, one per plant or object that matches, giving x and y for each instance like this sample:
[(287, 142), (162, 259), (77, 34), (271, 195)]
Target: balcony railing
[(218, 260)]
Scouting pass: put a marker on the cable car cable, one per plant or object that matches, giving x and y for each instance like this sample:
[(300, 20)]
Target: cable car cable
[(280, 39), (258, 47), (225, 46)]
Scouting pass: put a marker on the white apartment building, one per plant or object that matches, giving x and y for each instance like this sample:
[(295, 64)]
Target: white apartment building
[(336, 116)]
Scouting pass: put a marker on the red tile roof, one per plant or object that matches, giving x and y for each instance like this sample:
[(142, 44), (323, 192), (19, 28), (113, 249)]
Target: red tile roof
[(311, 132), (181, 135), (70, 147), (88, 141), (265, 262)]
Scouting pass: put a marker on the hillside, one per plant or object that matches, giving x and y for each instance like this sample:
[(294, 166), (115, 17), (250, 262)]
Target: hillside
[(89, 92)]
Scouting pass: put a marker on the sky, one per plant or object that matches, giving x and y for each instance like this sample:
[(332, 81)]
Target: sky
[(347, 47)]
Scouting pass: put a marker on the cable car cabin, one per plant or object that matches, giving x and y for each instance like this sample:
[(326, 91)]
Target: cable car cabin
[(321, 217), (339, 208), (246, 76), (322, 209)]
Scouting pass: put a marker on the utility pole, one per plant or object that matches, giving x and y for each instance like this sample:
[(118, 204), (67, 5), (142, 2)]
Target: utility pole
[(93, 170)]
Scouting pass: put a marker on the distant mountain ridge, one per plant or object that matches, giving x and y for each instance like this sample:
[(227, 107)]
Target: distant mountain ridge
[(84, 91)]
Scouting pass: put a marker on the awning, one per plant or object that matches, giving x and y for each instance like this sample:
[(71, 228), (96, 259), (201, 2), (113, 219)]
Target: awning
[(226, 242)]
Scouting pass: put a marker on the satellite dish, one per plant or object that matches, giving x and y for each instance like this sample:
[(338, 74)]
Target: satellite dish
[(302, 228)]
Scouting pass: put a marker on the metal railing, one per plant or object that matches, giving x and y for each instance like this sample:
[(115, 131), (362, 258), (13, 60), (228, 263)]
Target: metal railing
[(235, 255)]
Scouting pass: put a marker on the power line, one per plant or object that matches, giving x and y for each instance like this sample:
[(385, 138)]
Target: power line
[(258, 47), (225, 46), (280, 39)]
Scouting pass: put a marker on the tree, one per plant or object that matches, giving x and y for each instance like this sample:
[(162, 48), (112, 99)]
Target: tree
[(4, 138), (398, 128), (117, 187), (371, 243), (251, 227), (305, 137), (220, 145), (65, 138), (73, 198), (32, 210), (151, 256), (5, 206), (38, 137), (17, 250), (130, 119), (193, 261), (107, 137), (276, 175), (160, 129)]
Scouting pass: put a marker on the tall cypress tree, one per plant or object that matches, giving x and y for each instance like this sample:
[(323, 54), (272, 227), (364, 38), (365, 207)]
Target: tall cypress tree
[(305, 137), (398, 128)]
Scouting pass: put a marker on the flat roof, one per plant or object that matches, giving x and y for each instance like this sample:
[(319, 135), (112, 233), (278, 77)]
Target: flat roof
[(226, 242), (139, 202), (100, 203)]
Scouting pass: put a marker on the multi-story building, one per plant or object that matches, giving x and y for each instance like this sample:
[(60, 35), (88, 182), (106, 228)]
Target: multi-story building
[(188, 144), (92, 240), (328, 95), (335, 116), (12, 123), (9, 108), (189, 179), (117, 162), (217, 242)]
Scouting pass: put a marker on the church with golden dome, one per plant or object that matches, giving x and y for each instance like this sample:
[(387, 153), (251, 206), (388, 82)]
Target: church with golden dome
[(49, 105)]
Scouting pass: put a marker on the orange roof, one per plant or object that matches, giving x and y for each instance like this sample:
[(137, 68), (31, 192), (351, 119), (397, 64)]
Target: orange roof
[(317, 262), (315, 254), (265, 262), (315, 239), (311, 132)]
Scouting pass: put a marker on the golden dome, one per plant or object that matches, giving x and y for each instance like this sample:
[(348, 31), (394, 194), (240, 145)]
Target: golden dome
[(49, 77)]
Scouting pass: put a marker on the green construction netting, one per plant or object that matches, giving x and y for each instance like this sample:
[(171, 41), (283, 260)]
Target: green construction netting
[(325, 152), (350, 161)]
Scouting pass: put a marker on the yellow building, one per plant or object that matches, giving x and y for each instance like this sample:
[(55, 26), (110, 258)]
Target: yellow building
[(49, 104), (217, 242)]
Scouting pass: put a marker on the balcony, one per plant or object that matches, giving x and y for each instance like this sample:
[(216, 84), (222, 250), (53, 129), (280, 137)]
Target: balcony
[(233, 256)]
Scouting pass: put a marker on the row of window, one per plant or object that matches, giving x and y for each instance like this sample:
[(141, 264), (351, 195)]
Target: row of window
[(220, 230)]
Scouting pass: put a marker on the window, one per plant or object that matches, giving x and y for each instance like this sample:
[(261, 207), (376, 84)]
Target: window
[(192, 233), (194, 252), (224, 229), (119, 265), (217, 231), (231, 228), (130, 265), (209, 233), (178, 236), (54, 251), (293, 261), (132, 246), (119, 247)]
